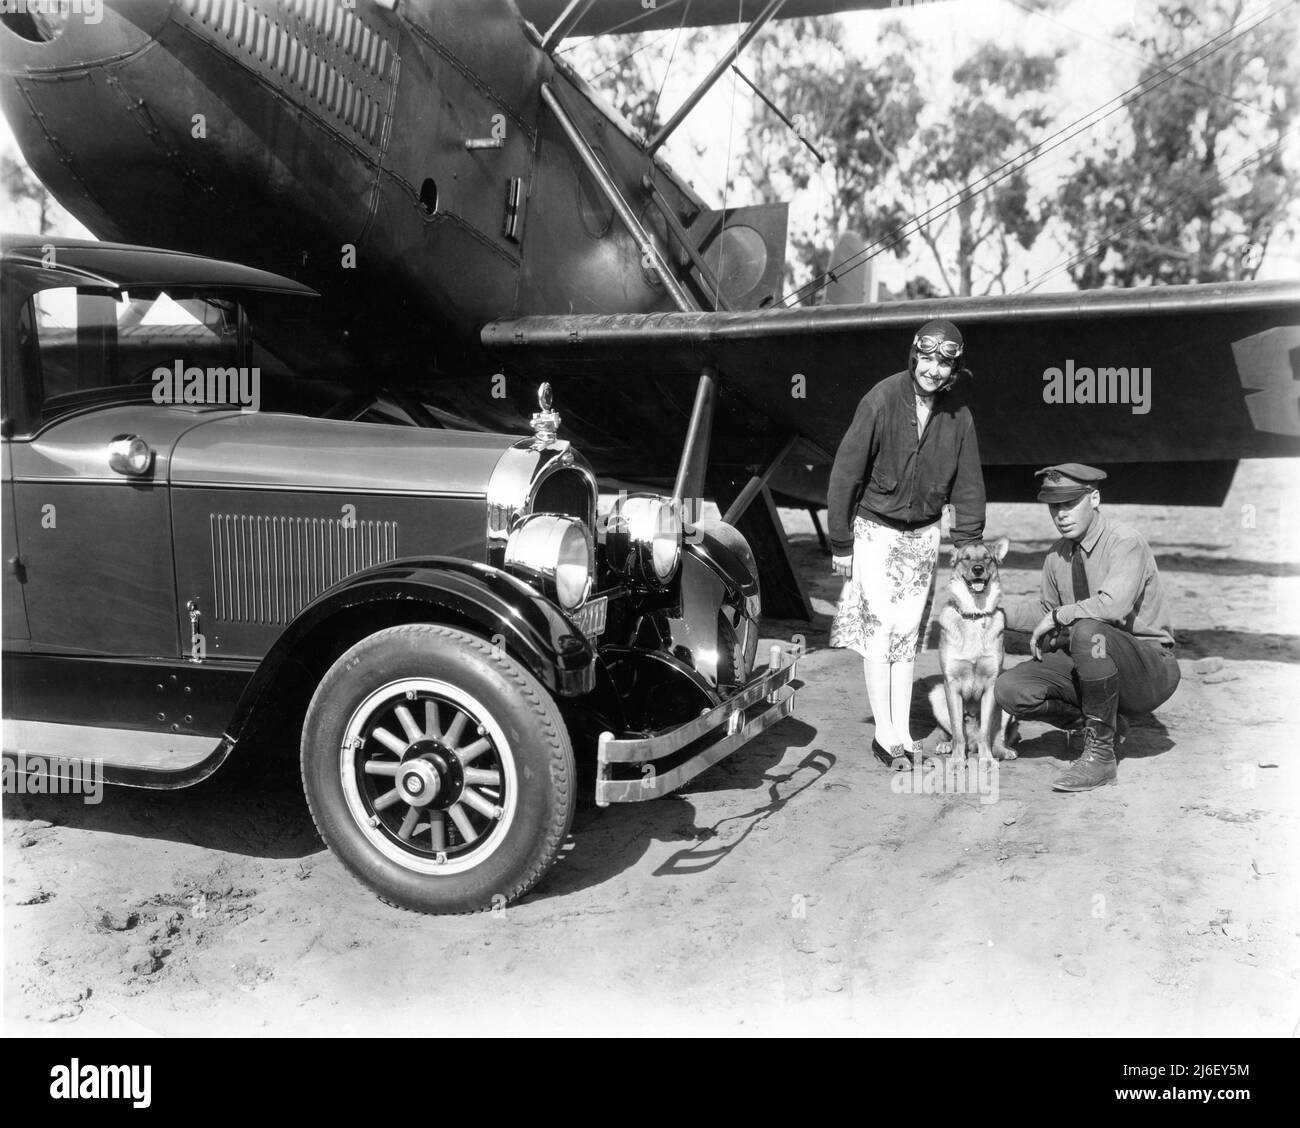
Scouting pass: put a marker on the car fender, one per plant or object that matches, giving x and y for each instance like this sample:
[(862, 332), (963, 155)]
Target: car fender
[(716, 620), (455, 592)]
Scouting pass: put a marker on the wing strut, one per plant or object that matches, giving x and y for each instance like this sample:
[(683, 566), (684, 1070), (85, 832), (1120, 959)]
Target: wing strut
[(722, 64), (821, 159), (694, 465), (565, 23)]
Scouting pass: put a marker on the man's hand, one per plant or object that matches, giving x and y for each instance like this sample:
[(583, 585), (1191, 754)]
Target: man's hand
[(1044, 627), (842, 566)]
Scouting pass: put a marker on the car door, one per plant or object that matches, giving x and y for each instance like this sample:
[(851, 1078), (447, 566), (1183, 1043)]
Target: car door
[(11, 593), (93, 542)]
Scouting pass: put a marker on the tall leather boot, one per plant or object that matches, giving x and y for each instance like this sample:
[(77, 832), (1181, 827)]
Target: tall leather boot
[(1099, 700), (1065, 716)]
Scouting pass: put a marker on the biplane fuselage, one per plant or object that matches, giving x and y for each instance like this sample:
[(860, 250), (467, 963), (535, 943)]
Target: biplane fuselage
[(395, 157)]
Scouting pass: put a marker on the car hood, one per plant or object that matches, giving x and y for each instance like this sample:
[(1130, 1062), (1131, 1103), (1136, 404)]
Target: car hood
[(290, 451)]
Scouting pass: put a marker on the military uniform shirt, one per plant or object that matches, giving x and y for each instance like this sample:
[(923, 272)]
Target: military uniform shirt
[(1126, 589)]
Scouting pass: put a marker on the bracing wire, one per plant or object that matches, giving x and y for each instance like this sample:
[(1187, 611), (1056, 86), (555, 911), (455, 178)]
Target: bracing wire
[(654, 111), (632, 55), (653, 10)]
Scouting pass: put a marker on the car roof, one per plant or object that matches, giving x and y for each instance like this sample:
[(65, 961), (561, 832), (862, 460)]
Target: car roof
[(86, 262)]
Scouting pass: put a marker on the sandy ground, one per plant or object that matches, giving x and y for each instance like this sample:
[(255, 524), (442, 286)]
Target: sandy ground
[(788, 889)]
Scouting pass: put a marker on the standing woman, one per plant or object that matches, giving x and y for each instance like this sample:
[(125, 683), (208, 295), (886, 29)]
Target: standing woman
[(909, 451)]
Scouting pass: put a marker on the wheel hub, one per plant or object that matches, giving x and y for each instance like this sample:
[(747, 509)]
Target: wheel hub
[(430, 776), (419, 783)]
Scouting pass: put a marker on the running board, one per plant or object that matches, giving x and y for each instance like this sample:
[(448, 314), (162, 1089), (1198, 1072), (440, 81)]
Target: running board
[(127, 757)]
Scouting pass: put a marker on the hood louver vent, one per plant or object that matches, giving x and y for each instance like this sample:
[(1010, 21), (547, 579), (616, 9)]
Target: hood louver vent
[(267, 569)]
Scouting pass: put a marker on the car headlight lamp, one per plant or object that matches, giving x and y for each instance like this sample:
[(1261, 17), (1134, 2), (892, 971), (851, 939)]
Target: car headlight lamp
[(643, 539), (554, 552)]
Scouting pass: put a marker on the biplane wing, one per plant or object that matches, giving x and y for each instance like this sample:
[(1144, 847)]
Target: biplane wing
[(1165, 387), (620, 16)]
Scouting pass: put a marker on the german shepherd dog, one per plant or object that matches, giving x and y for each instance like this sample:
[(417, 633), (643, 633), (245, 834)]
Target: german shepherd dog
[(970, 655)]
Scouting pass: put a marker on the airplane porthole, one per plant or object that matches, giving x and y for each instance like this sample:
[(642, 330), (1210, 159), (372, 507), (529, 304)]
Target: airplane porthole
[(35, 26), (429, 196)]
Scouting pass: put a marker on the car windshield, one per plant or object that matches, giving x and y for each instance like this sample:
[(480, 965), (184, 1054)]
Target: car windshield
[(88, 346)]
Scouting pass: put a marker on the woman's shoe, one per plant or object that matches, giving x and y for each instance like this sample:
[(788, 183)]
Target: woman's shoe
[(896, 759)]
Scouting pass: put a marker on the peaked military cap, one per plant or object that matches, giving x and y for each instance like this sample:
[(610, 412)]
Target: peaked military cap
[(1068, 482)]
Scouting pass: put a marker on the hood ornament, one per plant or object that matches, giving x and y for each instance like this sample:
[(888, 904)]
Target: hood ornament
[(546, 423)]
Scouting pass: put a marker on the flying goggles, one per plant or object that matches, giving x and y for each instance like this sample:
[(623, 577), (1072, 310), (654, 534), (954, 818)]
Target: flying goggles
[(928, 345)]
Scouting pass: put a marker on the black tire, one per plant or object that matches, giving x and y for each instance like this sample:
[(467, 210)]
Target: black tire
[(365, 816)]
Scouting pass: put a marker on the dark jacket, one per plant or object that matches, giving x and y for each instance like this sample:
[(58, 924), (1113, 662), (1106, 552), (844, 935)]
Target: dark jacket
[(907, 480)]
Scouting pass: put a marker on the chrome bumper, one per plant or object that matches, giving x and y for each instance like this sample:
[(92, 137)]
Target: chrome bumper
[(738, 719)]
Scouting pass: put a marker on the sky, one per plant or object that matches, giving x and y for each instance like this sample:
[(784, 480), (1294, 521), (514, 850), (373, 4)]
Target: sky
[(1097, 67)]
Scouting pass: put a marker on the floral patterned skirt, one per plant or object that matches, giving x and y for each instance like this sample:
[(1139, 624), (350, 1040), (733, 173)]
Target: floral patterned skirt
[(879, 613)]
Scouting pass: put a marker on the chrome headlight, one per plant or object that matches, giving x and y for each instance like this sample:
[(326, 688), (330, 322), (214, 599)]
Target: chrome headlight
[(556, 551), (643, 539)]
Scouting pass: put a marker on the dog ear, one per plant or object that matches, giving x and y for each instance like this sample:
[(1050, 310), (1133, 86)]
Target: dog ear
[(1000, 547), (956, 555)]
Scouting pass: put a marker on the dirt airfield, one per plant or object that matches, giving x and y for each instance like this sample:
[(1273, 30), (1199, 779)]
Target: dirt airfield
[(790, 889)]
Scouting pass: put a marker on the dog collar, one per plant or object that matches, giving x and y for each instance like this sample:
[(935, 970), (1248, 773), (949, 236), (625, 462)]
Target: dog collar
[(978, 614)]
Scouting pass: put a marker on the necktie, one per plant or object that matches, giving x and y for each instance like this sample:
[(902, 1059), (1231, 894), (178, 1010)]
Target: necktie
[(1078, 577)]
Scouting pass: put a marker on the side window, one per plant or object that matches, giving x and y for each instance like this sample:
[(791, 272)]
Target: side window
[(75, 334), (159, 330), (90, 346)]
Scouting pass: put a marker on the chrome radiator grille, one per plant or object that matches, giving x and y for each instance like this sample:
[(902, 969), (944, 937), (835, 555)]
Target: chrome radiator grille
[(568, 492), (267, 569)]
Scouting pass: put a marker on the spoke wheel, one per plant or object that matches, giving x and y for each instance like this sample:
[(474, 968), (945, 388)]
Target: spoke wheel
[(438, 769), (429, 775)]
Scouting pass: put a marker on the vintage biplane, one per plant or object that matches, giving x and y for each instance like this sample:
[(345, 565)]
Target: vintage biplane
[(470, 208)]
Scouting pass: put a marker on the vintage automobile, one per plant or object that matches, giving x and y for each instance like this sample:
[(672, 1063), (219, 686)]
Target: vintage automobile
[(435, 620)]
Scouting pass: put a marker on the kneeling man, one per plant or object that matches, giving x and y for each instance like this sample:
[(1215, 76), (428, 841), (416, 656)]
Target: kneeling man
[(1100, 631)]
